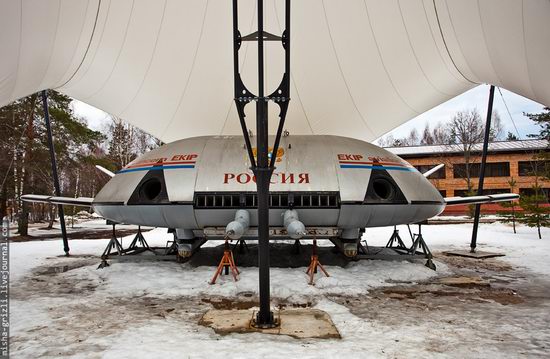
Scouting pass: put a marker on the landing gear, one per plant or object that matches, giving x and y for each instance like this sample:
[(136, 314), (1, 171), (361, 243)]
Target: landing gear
[(348, 242)]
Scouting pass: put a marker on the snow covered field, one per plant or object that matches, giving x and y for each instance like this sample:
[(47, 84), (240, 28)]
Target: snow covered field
[(382, 309)]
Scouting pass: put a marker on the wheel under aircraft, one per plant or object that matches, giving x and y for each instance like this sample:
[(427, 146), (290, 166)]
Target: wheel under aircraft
[(323, 187)]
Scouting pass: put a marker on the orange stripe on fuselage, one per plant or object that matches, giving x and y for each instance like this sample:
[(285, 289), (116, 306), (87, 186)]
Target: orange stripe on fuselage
[(162, 164), (373, 163)]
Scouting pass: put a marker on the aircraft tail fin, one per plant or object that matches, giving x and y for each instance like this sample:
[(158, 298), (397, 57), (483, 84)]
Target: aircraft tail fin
[(68, 201), (492, 198)]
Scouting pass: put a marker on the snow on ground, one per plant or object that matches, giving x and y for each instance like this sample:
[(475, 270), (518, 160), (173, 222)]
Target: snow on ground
[(523, 249), (151, 309)]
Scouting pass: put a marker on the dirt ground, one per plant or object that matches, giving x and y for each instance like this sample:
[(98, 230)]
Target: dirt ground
[(477, 297), (491, 294)]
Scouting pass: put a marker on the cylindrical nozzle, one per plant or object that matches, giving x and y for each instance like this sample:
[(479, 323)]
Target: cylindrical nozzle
[(238, 227), (294, 227)]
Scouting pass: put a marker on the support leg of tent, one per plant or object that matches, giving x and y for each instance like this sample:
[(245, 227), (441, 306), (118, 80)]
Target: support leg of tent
[(54, 171), (473, 243)]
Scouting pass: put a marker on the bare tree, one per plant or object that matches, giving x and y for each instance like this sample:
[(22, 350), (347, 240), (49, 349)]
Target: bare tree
[(466, 130), (440, 134)]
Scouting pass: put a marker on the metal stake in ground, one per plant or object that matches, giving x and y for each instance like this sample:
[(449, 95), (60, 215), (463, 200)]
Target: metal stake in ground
[(473, 243), (54, 171)]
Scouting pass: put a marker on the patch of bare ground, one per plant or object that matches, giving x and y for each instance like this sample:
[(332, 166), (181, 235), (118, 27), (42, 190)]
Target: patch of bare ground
[(473, 264), (471, 305)]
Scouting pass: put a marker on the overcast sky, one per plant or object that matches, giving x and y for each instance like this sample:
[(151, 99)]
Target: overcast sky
[(476, 97)]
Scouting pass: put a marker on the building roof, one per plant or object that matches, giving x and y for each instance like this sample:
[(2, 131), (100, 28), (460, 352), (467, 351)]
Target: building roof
[(497, 146)]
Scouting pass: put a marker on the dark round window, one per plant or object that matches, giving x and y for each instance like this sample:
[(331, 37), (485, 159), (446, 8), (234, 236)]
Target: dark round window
[(383, 189), (150, 189)]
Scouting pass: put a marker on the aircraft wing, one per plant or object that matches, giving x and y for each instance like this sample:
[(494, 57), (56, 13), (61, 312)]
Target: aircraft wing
[(502, 197), (80, 201)]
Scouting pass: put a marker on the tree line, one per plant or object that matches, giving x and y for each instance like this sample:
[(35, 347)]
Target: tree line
[(25, 166), (466, 127)]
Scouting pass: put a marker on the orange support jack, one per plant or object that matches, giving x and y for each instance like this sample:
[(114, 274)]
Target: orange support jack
[(312, 269), (226, 263)]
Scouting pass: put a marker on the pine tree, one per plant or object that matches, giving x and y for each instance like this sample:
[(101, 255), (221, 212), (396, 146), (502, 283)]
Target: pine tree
[(25, 161), (509, 215), (534, 214), (543, 120)]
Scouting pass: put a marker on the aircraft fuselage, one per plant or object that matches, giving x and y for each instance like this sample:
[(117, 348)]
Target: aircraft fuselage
[(336, 185)]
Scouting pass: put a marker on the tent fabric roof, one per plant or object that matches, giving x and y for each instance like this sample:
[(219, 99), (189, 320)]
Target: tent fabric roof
[(359, 68), (497, 146)]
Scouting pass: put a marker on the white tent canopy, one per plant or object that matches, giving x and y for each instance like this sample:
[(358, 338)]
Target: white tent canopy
[(359, 67)]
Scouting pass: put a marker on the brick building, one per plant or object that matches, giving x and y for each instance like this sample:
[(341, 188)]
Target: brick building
[(505, 160)]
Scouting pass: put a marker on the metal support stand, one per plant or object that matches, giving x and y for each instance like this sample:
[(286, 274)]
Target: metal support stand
[(139, 244), (396, 239), (243, 247), (473, 243), (54, 171), (362, 249), (261, 165), (227, 262), (297, 247), (419, 243), (113, 244), (314, 264)]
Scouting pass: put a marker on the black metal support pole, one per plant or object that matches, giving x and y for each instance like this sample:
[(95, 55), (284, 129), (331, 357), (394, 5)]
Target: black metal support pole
[(263, 177), (473, 243), (260, 163), (54, 171)]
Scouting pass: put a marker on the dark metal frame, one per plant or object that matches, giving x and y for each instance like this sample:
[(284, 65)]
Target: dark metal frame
[(261, 165), (54, 170), (473, 242)]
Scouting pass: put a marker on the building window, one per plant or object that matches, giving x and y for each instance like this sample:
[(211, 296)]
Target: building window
[(443, 193), (493, 169), (439, 174), (531, 168), (487, 191), (531, 192)]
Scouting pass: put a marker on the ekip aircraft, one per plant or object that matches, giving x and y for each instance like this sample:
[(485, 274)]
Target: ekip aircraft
[(323, 187)]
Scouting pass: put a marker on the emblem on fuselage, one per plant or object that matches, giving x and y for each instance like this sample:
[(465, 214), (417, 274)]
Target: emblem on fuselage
[(280, 153)]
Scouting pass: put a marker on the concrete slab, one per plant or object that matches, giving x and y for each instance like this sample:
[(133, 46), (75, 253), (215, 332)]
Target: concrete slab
[(475, 255), (298, 323)]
